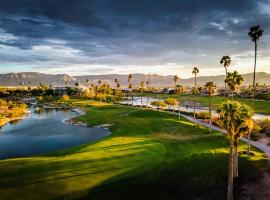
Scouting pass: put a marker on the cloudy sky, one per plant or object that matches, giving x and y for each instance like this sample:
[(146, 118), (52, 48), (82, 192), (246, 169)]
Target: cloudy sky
[(131, 36)]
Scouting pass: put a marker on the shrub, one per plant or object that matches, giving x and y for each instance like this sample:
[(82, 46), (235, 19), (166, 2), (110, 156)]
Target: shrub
[(264, 126), (158, 104), (65, 97)]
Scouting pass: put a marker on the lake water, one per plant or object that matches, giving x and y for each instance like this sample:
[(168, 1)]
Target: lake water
[(43, 131), (137, 101)]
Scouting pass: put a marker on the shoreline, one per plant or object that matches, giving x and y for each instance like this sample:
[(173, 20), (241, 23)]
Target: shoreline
[(15, 119)]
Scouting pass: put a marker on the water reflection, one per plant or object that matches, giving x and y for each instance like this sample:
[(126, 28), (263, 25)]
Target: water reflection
[(42, 131), (138, 101)]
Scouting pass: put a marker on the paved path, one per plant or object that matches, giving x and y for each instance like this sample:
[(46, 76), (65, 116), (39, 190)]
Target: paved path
[(262, 147)]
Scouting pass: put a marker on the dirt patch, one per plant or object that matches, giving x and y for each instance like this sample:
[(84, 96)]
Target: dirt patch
[(258, 190)]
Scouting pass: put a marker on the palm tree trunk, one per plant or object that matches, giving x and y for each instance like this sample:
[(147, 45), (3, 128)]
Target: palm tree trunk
[(179, 113), (175, 87), (225, 90), (210, 115), (248, 147), (230, 172), (235, 159), (254, 75)]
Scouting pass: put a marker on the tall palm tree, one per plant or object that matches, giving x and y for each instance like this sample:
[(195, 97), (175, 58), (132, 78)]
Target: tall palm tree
[(250, 125), (233, 80), (195, 71), (148, 89), (99, 83), (225, 61), (234, 116), (210, 86), (130, 86), (255, 32), (87, 82), (142, 90), (175, 78)]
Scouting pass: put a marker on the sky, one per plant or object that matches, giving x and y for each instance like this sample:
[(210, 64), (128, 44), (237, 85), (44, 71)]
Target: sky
[(166, 37)]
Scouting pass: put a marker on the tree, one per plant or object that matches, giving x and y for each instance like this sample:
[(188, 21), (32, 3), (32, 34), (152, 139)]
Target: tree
[(86, 93), (65, 97), (116, 82), (179, 89), (234, 116), (233, 80), (99, 83), (175, 78), (210, 86), (171, 102), (250, 124), (255, 32), (130, 86), (225, 61), (195, 71), (117, 92), (87, 82), (148, 90), (158, 104)]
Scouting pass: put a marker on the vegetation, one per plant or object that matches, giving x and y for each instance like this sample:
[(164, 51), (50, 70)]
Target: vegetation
[(171, 102), (233, 80), (149, 155), (255, 32), (210, 86), (236, 118), (158, 104), (225, 61), (11, 110)]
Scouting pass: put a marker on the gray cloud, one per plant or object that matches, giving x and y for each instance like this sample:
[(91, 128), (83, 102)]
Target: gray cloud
[(121, 32)]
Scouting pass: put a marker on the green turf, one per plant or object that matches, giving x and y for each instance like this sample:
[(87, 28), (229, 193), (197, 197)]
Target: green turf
[(149, 155), (262, 107)]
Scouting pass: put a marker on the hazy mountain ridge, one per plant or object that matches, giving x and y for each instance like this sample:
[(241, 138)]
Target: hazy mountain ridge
[(34, 78)]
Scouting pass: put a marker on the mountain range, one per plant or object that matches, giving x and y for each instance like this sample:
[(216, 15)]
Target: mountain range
[(35, 78)]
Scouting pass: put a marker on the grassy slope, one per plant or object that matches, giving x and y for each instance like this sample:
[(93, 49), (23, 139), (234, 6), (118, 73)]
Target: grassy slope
[(261, 107), (150, 155)]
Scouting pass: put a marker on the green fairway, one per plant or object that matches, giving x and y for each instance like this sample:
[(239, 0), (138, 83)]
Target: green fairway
[(262, 107), (149, 155)]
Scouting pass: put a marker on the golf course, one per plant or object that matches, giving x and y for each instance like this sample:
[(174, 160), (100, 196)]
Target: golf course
[(148, 155)]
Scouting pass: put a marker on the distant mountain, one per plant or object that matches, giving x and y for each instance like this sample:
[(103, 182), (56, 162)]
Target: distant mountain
[(34, 78), (165, 81)]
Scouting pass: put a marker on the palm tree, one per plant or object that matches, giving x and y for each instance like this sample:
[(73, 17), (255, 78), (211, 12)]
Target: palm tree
[(210, 86), (175, 78), (148, 89), (233, 80), (116, 82), (250, 124), (130, 86), (99, 83), (225, 61), (87, 81), (141, 90), (195, 71), (255, 32), (234, 116)]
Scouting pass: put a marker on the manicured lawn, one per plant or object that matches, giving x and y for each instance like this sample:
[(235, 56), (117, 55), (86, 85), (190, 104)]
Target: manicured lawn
[(149, 155), (261, 107)]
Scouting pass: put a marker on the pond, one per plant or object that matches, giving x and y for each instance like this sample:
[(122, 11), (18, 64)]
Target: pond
[(137, 101), (42, 131)]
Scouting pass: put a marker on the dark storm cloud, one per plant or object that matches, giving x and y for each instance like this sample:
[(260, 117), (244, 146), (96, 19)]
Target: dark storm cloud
[(131, 32)]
